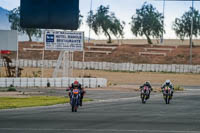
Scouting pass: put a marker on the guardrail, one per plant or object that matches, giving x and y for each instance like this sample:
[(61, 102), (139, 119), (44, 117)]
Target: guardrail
[(54, 82), (101, 52), (158, 49), (152, 53), (101, 47), (177, 68)]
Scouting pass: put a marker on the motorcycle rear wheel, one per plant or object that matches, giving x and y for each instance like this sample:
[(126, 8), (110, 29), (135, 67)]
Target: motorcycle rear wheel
[(75, 109)]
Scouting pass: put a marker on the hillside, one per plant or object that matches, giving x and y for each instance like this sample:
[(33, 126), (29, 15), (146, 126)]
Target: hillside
[(143, 54)]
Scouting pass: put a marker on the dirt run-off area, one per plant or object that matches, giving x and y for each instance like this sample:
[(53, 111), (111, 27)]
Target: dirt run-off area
[(118, 82), (140, 77), (124, 78)]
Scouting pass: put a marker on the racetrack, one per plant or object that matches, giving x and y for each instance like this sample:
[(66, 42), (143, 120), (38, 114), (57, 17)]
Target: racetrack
[(122, 115)]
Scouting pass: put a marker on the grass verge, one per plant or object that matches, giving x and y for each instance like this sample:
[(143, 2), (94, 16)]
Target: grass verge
[(12, 102)]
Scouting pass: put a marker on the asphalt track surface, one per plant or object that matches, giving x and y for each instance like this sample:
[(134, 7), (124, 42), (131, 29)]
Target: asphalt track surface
[(122, 115)]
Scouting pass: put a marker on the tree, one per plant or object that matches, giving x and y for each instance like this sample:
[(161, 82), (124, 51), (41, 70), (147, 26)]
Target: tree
[(148, 22), (14, 19), (182, 26), (80, 20), (105, 22)]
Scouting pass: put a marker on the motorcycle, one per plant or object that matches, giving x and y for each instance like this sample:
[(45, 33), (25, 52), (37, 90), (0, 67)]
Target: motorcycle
[(75, 99), (167, 94), (145, 92)]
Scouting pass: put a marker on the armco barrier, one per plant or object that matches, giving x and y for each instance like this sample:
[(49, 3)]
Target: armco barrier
[(178, 68), (54, 82)]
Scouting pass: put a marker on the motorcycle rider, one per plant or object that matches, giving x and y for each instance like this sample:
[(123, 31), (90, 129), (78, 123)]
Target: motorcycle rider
[(77, 85), (168, 84), (147, 83)]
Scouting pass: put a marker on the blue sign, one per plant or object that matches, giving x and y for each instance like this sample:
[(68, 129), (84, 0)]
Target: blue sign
[(49, 38)]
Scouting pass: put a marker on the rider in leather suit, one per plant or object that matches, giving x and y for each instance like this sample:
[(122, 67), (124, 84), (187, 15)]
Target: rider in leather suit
[(147, 83), (168, 84), (77, 85)]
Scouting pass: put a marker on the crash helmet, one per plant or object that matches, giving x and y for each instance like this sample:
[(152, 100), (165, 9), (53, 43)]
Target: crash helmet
[(76, 83), (168, 82), (147, 83)]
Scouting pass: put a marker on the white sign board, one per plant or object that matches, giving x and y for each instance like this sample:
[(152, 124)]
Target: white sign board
[(64, 40)]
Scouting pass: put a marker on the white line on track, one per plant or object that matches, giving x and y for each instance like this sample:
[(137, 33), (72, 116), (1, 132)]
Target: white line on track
[(97, 130)]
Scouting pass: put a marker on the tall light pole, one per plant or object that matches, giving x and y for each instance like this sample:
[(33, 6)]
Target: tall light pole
[(191, 32), (191, 28), (90, 18), (162, 38)]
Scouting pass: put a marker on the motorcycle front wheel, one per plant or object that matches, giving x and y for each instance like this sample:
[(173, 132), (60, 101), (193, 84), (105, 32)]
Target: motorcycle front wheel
[(143, 99), (167, 99), (73, 104)]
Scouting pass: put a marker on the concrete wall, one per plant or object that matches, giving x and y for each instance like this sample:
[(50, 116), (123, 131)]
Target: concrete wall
[(178, 68), (54, 82)]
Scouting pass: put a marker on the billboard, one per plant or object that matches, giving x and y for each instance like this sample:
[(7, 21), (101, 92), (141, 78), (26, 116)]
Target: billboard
[(64, 40), (49, 14), (8, 40)]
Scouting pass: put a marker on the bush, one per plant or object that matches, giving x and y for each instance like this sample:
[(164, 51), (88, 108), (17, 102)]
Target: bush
[(37, 73), (11, 88), (178, 88)]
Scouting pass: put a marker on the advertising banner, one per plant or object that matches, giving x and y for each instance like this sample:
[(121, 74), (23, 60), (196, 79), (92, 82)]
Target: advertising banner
[(64, 40)]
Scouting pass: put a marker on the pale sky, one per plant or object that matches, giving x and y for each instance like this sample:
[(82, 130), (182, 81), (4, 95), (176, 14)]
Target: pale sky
[(123, 10)]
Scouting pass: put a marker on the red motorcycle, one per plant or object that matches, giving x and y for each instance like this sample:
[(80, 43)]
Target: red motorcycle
[(145, 92), (167, 94)]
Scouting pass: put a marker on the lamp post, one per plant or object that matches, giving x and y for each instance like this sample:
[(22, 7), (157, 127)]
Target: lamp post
[(90, 25), (191, 28), (162, 38), (191, 32)]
